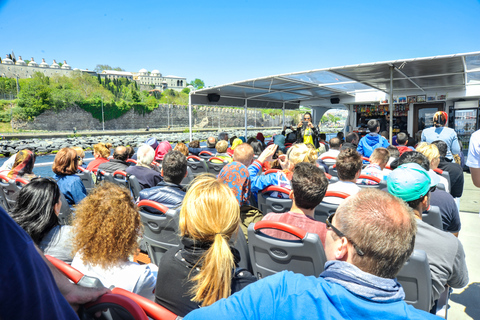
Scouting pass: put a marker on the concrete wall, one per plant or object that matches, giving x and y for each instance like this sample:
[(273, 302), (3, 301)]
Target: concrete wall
[(162, 117)]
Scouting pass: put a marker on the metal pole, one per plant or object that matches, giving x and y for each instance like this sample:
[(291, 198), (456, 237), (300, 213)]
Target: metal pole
[(18, 89), (246, 101), (168, 115), (283, 111), (190, 114), (103, 118), (390, 108)]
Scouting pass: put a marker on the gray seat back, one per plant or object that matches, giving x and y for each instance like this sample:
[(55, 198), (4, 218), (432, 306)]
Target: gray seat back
[(215, 168), (87, 180), (433, 217), (197, 165), (271, 255), (333, 171), (160, 230), (239, 242), (188, 178), (65, 215), (8, 193), (416, 281), (379, 184), (324, 209), (268, 204), (446, 175), (205, 155)]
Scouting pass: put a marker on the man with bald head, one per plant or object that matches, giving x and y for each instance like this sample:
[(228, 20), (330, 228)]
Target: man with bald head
[(119, 161), (368, 240), (211, 142)]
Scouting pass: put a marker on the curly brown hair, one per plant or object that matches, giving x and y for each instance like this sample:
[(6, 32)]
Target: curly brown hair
[(107, 226), (182, 147)]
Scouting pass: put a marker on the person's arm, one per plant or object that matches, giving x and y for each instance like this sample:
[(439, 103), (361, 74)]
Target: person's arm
[(78, 191), (475, 172), (74, 294), (360, 147), (473, 159), (459, 276), (455, 147)]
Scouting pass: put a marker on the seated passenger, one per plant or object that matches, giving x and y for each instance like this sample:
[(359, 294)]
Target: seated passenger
[(376, 167), (257, 146), (411, 183), (182, 148), (454, 170), (101, 152), (236, 142), (441, 199), (279, 140), (65, 166), (36, 211), (349, 167), (309, 185), (431, 152), (221, 148), (364, 256), (205, 270), (402, 140), (394, 154), (335, 145), (107, 229), (169, 192), (119, 161), (80, 157), (162, 149), (194, 147), (211, 143), (146, 176), (371, 141), (23, 165), (351, 141)]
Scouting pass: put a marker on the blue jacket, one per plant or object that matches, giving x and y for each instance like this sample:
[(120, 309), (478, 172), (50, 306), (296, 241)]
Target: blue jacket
[(166, 193), (287, 295), (72, 188), (260, 182), (196, 151), (370, 142)]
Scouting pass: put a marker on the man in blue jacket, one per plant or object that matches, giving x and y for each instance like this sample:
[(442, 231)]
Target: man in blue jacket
[(365, 250), (372, 140)]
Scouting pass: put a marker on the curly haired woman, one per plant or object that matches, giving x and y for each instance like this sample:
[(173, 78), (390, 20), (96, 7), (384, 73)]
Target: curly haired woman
[(106, 231)]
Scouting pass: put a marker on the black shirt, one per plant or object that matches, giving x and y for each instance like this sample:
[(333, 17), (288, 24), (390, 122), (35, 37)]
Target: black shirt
[(456, 176)]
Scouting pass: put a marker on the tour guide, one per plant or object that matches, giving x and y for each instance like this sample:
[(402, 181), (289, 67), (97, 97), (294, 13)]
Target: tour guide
[(306, 131)]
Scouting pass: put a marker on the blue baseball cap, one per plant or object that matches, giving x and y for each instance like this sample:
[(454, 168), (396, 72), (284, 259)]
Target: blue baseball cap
[(411, 182), (152, 142)]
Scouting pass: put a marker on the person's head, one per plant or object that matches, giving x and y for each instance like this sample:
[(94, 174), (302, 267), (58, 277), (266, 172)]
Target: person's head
[(440, 119), (349, 164), (257, 146), (307, 117), (37, 208), (380, 156), (182, 148), (107, 226), (394, 152), (163, 148), (322, 136), (260, 137), (385, 134), (309, 185), (102, 150), (352, 137), (223, 136), (194, 144), (120, 153), (402, 138), (145, 155), (80, 154), (232, 139), (340, 135), (174, 167), (300, 152), (243, 153), (236, 142), (411, 183), (335, 143), (442, 147), (387, 117), (211, 142), (373, 125), (431, 152), (210, 215), (65, 162), (130, 151), (23, 165), (221, 146), (372, 230), (152, 142), (235, 175)]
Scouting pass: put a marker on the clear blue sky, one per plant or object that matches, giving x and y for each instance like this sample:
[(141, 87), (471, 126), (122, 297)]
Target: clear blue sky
[(227, 41)]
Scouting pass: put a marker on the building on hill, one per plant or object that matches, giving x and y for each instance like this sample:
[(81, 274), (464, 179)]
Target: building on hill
[(154, 80), (112, 74)]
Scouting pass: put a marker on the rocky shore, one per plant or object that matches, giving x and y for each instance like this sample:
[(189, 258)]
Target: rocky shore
[(48, 145)]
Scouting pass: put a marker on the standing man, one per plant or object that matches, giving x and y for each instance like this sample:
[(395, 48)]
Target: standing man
[(306, 131), (473, 160), (440, 131)]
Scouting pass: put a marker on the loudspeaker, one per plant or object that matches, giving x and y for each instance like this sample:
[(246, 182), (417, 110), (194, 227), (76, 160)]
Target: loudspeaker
[(213, 97), (334, 100)]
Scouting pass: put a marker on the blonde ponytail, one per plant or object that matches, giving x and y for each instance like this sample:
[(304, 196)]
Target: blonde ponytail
[(210, 214)]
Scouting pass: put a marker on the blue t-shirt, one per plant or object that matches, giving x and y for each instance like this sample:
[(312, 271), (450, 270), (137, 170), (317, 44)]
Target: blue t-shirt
[(448, 209), (27, 287), (72, 188), (287, 295)]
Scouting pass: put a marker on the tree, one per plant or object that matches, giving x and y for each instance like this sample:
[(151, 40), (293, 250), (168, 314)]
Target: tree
[(197, 83), (186, 90), (100, 67)]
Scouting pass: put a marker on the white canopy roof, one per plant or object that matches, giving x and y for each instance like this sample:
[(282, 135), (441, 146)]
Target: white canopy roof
[(411, 76)]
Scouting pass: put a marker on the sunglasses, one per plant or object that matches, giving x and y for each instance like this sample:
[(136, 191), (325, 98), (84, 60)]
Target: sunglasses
[(342, 235)]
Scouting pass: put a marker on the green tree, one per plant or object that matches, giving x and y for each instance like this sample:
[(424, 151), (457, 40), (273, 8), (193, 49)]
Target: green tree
[(197, 83), (186, 90), (100, 67)]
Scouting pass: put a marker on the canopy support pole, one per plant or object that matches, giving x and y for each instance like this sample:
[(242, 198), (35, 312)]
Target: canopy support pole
[(283, 112), (390, 108), (246, 102), (190, 114)]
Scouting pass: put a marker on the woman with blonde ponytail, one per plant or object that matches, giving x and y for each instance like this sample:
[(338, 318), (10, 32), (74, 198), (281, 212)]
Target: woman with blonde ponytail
[(205, 269)]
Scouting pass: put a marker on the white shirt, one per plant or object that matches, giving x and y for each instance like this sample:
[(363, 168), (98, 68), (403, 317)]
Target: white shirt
[(341, 186), (131, 276), (473, 159)]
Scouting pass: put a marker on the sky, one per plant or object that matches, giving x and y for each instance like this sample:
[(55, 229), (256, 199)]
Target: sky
[(226, 41)]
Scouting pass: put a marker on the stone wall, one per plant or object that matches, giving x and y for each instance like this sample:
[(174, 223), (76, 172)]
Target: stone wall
[(162, 117)]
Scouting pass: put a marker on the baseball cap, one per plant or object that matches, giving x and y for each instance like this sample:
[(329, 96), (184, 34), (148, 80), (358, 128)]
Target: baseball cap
[(410, 181), (152, 142)]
